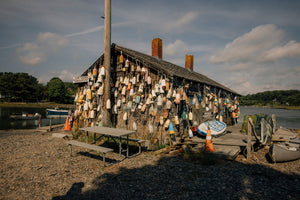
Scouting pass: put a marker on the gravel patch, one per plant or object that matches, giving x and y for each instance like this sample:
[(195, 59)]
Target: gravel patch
[(36, 165)]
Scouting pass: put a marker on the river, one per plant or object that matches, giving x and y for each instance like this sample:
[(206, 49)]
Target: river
[(284, 117), (7, 123)]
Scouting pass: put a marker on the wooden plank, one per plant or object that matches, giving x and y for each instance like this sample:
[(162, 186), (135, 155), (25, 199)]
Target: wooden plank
[(227, 152), (89, 146), (134, 140), (228, 139), (115, 132)]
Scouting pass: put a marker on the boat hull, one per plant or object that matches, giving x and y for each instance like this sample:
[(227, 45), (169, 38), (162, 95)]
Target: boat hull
[(59, 113), (283, 153), (20, 117), (25, 116), (216, 128)]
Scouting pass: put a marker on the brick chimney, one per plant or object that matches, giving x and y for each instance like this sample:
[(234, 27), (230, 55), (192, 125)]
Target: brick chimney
[(189, 62), (157, 48)]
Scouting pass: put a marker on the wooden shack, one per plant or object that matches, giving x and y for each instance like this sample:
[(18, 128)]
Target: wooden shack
[(158, 99)]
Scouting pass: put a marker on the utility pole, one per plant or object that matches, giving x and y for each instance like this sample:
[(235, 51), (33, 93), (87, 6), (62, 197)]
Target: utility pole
[(107, 56)]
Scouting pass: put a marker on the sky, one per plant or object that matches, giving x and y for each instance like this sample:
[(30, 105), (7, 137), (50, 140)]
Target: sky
[(249, 46)]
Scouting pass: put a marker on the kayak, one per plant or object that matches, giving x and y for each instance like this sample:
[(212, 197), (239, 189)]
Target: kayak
[(216, 128)]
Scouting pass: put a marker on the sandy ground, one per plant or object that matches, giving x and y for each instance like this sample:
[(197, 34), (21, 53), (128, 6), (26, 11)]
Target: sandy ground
[(35, 165)]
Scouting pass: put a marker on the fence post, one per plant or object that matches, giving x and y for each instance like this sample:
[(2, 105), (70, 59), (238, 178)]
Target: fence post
[(249, 134)]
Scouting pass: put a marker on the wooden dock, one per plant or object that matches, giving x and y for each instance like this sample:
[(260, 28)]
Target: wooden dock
[(229, 145), (51, 128)]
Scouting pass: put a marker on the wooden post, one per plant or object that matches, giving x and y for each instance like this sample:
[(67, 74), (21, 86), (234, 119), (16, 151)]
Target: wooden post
[(40, 121), (274, 123), (249, 139), (50, 124), (107, 58)]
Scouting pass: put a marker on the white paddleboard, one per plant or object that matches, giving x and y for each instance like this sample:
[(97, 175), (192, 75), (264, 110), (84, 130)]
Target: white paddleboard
[(216, 128)]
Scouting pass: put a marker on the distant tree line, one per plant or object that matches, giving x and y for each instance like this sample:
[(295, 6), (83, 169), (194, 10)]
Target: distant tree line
[(22, 87), (272, 98)]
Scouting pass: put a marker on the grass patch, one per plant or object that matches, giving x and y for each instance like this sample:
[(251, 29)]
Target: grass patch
[(162, 146)]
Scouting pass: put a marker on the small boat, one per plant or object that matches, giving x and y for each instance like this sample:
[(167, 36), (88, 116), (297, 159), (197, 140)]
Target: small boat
[(25, 116), (216, 128), (57, 113), (282, 152)]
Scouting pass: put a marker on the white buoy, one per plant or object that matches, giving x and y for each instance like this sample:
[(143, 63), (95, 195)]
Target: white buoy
[(108, 104)]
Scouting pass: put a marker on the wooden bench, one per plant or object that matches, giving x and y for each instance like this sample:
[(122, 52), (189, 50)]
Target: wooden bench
[(103, 150), (137, 141)]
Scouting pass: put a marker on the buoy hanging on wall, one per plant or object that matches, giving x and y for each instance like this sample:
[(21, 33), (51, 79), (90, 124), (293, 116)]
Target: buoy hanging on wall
[(92, 114), (89, 95), (134, 126), (86, 106), (190, 133), (159, 100), (127, 63), (190, 116), (167, 123), (95, 73), (108, 104), (119, 103), (171, 128), (102, 71), (125, 116), (121, 58)]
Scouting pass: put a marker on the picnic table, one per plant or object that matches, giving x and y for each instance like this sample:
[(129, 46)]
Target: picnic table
[(121, 134)]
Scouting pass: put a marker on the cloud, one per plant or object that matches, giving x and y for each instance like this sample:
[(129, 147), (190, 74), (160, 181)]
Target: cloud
[(249, 45), (238, 67), (64, 75), (51, 40), (34, 53), (97, 28), (180, 23), (246, 61), (91, 30), (10, 46), (30, 54), (175, 48), (291, 49)]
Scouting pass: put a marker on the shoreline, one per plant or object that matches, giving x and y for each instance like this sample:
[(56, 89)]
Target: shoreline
[(274, 107), (36, 105)]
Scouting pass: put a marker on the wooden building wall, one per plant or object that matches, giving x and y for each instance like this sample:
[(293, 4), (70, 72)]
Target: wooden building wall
[(148, 116)]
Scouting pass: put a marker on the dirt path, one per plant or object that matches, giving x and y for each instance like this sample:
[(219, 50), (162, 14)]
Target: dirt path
[(35, 165)]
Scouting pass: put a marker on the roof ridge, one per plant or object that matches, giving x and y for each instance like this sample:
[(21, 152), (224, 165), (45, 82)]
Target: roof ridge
[(164, 66)]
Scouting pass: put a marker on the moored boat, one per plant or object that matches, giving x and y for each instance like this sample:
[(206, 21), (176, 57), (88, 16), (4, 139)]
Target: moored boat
[(25, 116), (216, 128), (57, 113), (282, 152)]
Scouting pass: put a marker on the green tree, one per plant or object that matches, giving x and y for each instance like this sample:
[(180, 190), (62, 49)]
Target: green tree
[(20, 87), (277, 97), (56, 90), (71, 90)]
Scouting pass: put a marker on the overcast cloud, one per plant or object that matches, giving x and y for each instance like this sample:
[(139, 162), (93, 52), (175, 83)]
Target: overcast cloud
[(249, 46)]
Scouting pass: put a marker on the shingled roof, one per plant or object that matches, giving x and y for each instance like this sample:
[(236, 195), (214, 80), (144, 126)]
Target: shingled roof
[(163, 66)]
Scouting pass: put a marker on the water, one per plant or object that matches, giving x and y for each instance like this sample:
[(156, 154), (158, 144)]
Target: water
[(7, 123), (285, 118)]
